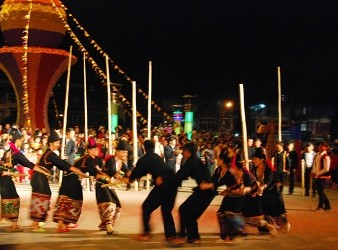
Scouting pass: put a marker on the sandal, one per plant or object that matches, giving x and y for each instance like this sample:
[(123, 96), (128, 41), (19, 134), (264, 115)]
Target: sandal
[(71, 225), (63, 230), (38, 230)]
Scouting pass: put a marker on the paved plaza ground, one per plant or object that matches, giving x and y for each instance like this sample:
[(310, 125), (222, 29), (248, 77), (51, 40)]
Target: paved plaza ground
[(310, 230)]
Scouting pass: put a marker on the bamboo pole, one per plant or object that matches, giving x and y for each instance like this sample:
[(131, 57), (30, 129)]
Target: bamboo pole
[(135, 156), (109, 107), (244, 129), (279, 105), (149, 99), (85, 98), (85, 109), (65, 113)]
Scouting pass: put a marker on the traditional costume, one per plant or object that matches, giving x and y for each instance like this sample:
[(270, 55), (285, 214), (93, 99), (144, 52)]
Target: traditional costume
[(107, 200), (41, 193), (229, 214), (268, 199), (10, 200), (69, 202)]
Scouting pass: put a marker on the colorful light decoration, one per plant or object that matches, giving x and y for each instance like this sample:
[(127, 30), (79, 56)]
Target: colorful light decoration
[(27, 118), (31, 61), (92, 62), (189, 123), (115, 66)]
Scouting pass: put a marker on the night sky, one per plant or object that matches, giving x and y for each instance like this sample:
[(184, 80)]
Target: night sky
[(208, 47)]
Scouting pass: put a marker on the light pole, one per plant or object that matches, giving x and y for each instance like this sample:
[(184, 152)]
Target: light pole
[(178, 117), (226, 121), (189, 109), (114, 115)]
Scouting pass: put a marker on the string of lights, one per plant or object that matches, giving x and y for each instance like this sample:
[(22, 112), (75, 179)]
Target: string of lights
[(115, 66), (92, 62), (25, 66)]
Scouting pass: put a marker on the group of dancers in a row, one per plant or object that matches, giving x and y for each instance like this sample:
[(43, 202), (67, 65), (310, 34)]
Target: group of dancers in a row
[(250, 197)]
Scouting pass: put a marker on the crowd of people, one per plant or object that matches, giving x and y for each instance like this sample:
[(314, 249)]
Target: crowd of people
[(252, 187)]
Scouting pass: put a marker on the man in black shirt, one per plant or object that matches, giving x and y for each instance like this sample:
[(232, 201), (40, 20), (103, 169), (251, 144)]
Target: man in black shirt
[(197, 203), (163, 194)]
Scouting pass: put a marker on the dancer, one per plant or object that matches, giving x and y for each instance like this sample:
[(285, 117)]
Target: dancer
[(10, 200), (108, 202), (69, 202), (41, 193), (163, 194), (197, 203), (229, 215), (272, 200)]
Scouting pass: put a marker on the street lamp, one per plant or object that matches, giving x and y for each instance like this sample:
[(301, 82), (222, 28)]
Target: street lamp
[(228, 104), (226, 107)]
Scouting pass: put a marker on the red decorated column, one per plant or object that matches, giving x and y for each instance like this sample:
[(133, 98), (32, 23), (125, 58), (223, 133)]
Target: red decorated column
[(33, 30)]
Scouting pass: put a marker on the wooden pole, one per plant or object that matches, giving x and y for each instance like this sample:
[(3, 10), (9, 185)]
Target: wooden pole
[(279, 105), (244, 130), (85, 98), (135, 156), (149, 99), (110, 149), (65, 113)]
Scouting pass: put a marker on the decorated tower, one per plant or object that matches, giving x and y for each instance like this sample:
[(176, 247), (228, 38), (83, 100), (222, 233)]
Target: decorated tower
[(33, 30)]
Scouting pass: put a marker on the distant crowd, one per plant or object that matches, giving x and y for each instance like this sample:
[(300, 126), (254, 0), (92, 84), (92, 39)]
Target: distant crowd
[(250, 179), (209, 145)]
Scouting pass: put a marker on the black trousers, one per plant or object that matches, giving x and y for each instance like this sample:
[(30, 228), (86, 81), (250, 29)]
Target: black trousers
[(163, 196), (281, 177), (191, 210), (307, 178), (323, 200), (291, 182)]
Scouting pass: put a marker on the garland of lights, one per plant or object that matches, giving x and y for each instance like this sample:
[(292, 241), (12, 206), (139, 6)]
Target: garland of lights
[(93, 64), (115, 66), (25, 66)]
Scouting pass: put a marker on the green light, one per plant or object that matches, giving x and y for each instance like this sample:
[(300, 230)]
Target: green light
[(114, 122), (188, 126), (189, 116)]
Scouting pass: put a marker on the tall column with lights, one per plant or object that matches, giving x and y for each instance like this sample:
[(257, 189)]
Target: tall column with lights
[(114, 116), (32, 61), (189, 115), (114, 113), (177, 117)]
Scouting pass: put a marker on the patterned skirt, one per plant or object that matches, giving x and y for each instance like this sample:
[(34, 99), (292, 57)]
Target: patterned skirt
[(255, 221), (67, 210), (40, 206), (231, 224), (109, 213), (10, 208)]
